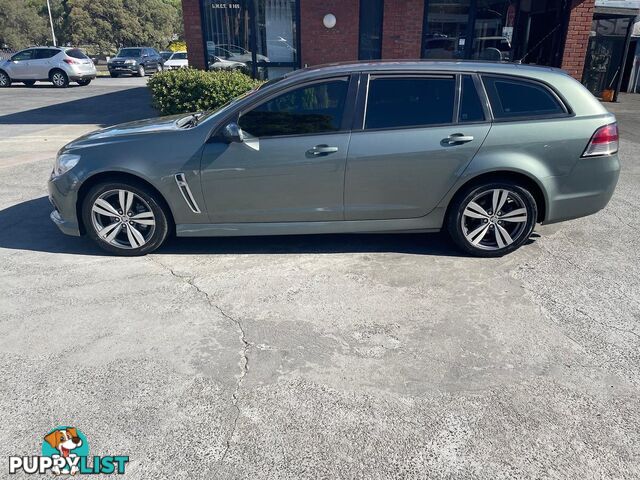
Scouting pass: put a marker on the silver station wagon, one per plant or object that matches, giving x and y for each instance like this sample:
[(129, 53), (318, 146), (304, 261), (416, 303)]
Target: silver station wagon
[(482, 150)]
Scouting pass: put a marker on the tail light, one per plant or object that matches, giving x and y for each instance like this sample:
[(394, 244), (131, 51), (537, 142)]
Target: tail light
[(70, 61), (603, 142)]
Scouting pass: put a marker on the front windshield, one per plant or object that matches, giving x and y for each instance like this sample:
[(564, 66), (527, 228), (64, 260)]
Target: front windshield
[(179, 56), (129, 52), (203, 116)]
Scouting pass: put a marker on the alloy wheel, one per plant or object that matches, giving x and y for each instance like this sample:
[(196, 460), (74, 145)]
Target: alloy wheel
[(4, 80), (494, 219), (123, 219), (58, 79)]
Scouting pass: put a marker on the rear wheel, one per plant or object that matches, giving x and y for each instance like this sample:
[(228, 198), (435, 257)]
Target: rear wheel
[(113, 74), (5, 80), (493, 219), (59, 79), (125, 218), (84, 82), (29, 83)]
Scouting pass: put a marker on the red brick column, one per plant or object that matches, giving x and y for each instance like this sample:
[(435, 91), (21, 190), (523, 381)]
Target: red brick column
[(575, 47), (193, 32), (324, 45), (402, 28)]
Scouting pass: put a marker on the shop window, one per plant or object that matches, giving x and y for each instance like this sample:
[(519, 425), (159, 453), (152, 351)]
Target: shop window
[(307, 110), (370, 43), (515, 98), (470, 105), (408, 102), (258, 37)]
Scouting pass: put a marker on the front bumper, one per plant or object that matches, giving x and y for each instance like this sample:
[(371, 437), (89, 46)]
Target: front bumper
[(123, 68), (63, 192), (584, 191)]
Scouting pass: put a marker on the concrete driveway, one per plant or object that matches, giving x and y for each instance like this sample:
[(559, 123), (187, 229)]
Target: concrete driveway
[(373, 356)]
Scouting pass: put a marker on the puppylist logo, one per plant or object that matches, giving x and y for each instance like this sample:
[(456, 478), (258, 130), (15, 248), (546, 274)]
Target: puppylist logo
[(65, 451)]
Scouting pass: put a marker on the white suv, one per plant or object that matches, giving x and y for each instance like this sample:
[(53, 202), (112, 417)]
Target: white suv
[(48, 64)]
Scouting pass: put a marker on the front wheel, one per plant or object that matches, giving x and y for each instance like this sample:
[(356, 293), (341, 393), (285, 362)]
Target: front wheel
[(84, 82), (493, 219), (5, 80), (125, 218), (29, 83), (141, 72)]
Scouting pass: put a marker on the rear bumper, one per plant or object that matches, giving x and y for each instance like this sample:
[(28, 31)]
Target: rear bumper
[(584, 191)]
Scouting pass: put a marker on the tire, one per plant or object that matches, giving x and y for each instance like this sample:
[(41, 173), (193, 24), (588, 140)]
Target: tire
[(120, 233), (84, 83), (5, 80), (159, 68), (113, 74), (59, 79), (29, 83), (141, 72), (480, 231)]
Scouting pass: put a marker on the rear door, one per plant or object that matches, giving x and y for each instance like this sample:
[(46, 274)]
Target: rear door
[(418, 134), (41, 64)]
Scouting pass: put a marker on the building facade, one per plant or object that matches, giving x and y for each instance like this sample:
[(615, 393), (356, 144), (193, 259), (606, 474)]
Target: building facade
[(268, 38)]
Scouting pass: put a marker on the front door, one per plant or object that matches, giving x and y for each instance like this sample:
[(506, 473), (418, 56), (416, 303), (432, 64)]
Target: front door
[(290, 166), (413, 147), (20, 66)]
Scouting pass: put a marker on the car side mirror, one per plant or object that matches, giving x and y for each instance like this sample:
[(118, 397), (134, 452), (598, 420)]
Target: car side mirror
[(233, 133)]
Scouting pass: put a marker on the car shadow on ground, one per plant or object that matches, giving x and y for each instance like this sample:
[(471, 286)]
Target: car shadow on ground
[(107, 109), (26, 226)]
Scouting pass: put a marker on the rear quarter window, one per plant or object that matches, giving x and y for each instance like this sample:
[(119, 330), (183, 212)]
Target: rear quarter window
[(512, 98), (76, 53)]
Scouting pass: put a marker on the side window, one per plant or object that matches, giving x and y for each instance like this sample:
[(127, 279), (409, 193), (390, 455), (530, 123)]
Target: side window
[(470, 105), (308, 110), (44, 53), (21, 56), (76, 53), (518, 98), (406, 102)]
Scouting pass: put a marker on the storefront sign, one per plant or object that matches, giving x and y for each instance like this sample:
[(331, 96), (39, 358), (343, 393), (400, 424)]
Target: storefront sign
[(226, 5)]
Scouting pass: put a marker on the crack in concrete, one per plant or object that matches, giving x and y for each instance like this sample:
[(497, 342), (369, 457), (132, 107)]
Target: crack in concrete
[(190, 280)]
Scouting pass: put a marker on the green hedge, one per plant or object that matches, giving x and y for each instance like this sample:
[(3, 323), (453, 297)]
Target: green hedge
[(188, 90)]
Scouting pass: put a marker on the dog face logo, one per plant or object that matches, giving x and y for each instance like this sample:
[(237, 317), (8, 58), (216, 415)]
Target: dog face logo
[(68, 443), (64, 440)]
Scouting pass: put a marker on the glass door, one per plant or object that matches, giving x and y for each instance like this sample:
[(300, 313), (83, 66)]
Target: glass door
[(446, 29), (258, 37)]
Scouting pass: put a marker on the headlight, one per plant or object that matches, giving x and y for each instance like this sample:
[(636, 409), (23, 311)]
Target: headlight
[(130, 62), (64, 163)]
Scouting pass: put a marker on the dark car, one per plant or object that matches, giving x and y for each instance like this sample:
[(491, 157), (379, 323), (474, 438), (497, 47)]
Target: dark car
[(136, 61)]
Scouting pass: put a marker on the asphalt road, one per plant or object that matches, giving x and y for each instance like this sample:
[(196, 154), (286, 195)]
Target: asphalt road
[(372, 356)]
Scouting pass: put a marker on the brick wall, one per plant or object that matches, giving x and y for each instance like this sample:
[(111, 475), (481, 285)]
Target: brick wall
[(193, 32), (575, 47), (323, 45), (402, 28)]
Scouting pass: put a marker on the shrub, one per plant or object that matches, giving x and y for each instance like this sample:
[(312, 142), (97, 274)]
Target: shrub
[(189, 90)]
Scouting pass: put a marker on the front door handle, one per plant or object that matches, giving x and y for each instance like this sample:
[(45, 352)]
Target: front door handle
[(458, 138), (319, 150)]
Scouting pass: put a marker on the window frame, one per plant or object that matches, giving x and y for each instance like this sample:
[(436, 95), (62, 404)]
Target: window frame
[(347, 115), (566, 113), (361, 115), (30, 50), (482, 96)]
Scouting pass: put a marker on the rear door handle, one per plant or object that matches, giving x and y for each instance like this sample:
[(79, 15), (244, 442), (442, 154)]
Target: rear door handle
[(458, 138), (321, 150)]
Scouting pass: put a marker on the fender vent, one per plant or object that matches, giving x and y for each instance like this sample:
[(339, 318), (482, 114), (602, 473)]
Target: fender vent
[(181, 180)]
